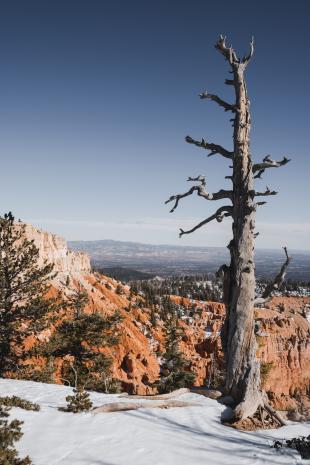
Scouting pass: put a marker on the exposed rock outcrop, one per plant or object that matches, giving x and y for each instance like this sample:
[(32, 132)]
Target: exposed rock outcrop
[(284, 340), (283, 330), (54, 249)]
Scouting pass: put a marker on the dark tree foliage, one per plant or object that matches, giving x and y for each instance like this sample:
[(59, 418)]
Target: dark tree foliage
[(197, 287), (153, 318), (10, 432), (175, 369), (301, 444), (23, 301), (79, 341), (168, 309), (78, 402), (15, 401), (290, 287)]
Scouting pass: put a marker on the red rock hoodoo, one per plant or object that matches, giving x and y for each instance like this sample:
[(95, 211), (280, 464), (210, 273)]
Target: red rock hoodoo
[(283, 330)]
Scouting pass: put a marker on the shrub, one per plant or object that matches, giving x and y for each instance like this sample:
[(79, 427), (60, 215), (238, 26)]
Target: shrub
[(10, 432), (15, 401), (301, 444), (265, 368), (78, 402)]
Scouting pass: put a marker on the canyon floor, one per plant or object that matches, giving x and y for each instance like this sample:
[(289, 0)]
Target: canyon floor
[(188, 435)]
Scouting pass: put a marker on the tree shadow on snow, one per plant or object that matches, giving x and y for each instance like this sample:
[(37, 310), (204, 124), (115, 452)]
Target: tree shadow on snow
[(223, 440)]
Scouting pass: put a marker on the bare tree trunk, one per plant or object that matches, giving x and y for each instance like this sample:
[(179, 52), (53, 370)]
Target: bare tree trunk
[(239, 343), (242, 368)]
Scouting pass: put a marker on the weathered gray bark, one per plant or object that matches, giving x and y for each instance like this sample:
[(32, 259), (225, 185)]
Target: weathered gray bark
[(239, 343), (242, 368), (124, 406)]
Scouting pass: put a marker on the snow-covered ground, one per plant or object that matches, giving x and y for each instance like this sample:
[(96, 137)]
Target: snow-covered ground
[(183, 436)]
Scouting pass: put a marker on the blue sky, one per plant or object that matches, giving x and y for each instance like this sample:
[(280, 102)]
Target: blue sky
[(96, 98)]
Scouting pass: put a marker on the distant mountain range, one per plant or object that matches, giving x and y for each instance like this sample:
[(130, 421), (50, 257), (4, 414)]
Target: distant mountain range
[(166, 260)]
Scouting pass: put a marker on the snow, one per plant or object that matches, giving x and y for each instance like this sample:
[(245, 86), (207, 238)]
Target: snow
[(184, 436)]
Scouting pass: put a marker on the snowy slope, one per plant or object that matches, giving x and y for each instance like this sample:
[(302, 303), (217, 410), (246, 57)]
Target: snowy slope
[(189, 436)]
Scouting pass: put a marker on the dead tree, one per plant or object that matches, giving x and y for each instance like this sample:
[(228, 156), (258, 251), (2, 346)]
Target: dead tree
[(242, 367)]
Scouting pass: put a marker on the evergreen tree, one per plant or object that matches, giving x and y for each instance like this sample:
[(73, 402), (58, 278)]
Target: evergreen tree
[(153, 318), (175, 368), (79, 342), (23, 288), (78, 402), (10, 432), (168, 309)]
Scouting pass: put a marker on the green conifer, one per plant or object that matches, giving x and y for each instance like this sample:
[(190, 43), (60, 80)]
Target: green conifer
[(10, 432), (23, 288), (78, 402), (175, 369), (79, 341), (153, 318)]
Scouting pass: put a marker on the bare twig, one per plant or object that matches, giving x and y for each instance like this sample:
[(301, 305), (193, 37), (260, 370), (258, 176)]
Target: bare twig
[(214, 148), (75, 375), (218, 100), (219, 215), (268, 162), (201, 191), (265, 193), (248, 57)]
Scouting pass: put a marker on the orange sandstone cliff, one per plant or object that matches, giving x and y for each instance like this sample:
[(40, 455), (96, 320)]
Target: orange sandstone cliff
[(283, 330)]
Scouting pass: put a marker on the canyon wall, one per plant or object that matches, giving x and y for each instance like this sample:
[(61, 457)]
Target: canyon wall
[(282, 330), (54, 249)]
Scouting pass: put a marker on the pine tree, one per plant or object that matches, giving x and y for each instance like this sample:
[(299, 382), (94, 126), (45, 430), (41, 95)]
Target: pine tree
[(153, 318), (168, 309), (23, 288), (79, 342), (175, 368), (78, 402), (10, 432)]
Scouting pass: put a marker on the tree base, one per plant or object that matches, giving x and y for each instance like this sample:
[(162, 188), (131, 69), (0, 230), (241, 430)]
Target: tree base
[(253, 424), (264, 416)]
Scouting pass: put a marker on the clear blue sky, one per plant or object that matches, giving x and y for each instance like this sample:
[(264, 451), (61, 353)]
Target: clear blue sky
[(97, 96)]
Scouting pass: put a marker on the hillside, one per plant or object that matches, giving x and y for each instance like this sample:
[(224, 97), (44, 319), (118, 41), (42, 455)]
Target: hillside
[(192, 435), (283, 333), (165, 260)]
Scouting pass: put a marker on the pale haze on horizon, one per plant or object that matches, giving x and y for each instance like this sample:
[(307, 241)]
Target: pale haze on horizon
[(96, 99)]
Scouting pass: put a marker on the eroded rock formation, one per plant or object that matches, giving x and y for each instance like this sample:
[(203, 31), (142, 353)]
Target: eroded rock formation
[(282, 330)]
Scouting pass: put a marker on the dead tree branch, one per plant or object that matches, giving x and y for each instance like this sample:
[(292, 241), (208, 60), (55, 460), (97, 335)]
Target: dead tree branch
[(214, 148), (274, 414), (219, 215), (268, 162), (218, 100), (228, 52), (248, 57), (201, 191), (124, 406), (278, 280), (167, 396), (267, 192)]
